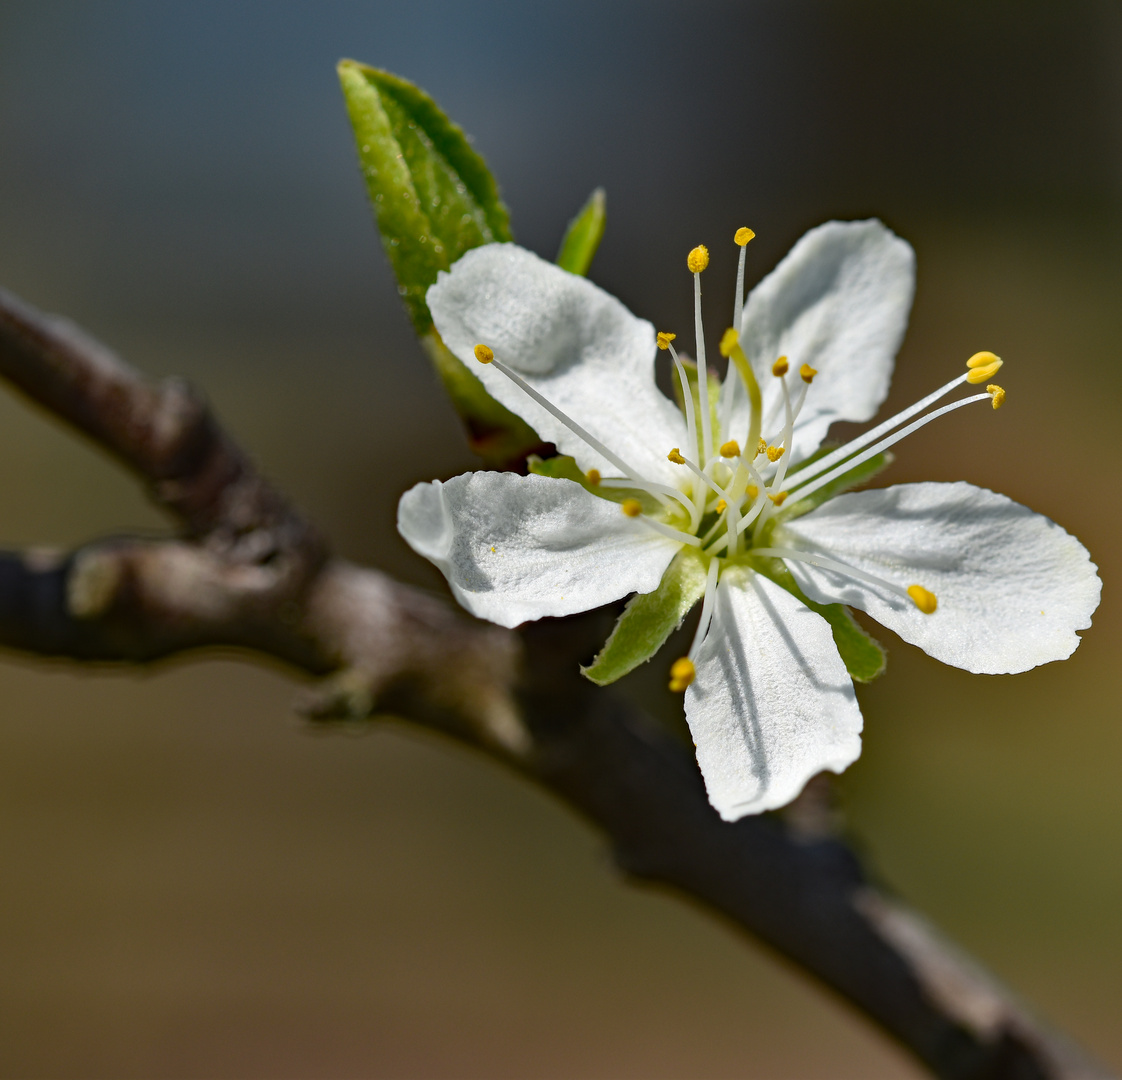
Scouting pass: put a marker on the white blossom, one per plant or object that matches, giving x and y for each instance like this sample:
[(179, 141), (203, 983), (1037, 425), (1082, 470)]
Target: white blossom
[(726, 500)]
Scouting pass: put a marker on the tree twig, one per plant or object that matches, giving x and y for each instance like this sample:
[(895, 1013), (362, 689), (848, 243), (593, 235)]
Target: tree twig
[(250, 572)]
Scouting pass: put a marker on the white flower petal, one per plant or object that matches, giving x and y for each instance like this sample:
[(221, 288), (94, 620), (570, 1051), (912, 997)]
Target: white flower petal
[(1012, 586), (772, 703), (574, 343), (839, 302), (516, 548)]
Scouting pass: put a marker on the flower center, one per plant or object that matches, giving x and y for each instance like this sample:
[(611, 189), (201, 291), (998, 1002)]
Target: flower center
[(731, 495)]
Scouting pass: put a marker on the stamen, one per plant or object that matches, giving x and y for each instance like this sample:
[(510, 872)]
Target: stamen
[(682, 673), (761, 447), (778, 497), (923, 599), (981, 366), (706, 609), (593, 476), (997, 394), (697, 261), (774, 453), (637, 478), (631, 507), (687, 394), (730, 449), (664, 339), (807, 373), (844, 569), (780, 367), (662, 492), (842, 452), (743, 235), (876, 448), (752, 491), (675, 456), (730, 347), (721, 506), (634, 509)]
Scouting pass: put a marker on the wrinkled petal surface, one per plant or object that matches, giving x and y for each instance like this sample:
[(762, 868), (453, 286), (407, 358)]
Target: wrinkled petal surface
[(574, 343), (772, 703), (516, 548), (1012, 587), (839, 302)]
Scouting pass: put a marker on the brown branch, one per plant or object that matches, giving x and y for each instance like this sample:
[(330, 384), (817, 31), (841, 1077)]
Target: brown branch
[(252, 573)]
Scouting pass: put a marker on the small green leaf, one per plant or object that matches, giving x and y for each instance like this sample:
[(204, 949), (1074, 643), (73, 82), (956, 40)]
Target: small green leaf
[(864, 657), (582, 237), (432, 194), (857, 475), (650, 618)]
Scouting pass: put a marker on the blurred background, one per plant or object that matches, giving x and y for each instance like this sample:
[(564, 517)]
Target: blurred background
[(191, 883)]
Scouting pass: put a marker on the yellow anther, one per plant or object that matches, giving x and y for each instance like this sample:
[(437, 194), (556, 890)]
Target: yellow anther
[(774, 453), (729, 341), (922, 599), (730, 449), (997, 394), (698, 259), (675, 456), (751, 491), (981, 366), (778, 497), (807, 373), (664, 339), (761, 447), (631, 507), (593, 476), (743, 235), (779, 368), (721, 506), (483, 354), (682, 673)]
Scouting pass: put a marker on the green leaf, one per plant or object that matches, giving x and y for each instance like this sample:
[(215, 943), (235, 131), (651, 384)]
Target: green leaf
[(650, 618), (864, 657), (582, 237), (857, 475), (434, 199), (433, 195)]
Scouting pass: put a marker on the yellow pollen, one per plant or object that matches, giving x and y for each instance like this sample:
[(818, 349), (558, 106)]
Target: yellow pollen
[(743, 235), (675, 456), (981, 366), (779, 368), (751, 491), (761, 447), (730, 449), (593, 476), (774, 453), (483, 354), (631, 507), (729, 341), (778, 498), (721, 506), (682, 673), (807, 373), (922, 599), (997, 394), (698, 259), (664, 339)]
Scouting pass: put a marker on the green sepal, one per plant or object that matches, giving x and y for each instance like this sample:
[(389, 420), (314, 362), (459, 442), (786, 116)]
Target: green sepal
[(714, 392), (650, 618), (564, 467), (864, 657), (857, 475), (582, 237)]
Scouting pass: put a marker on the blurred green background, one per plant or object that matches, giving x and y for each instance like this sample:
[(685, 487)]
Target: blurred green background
[(192, 884)]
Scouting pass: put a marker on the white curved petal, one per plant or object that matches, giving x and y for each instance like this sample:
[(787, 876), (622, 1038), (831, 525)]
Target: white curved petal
[(574, 343), (516, 548), (1012, 586), (772, 703), (838, 301)]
